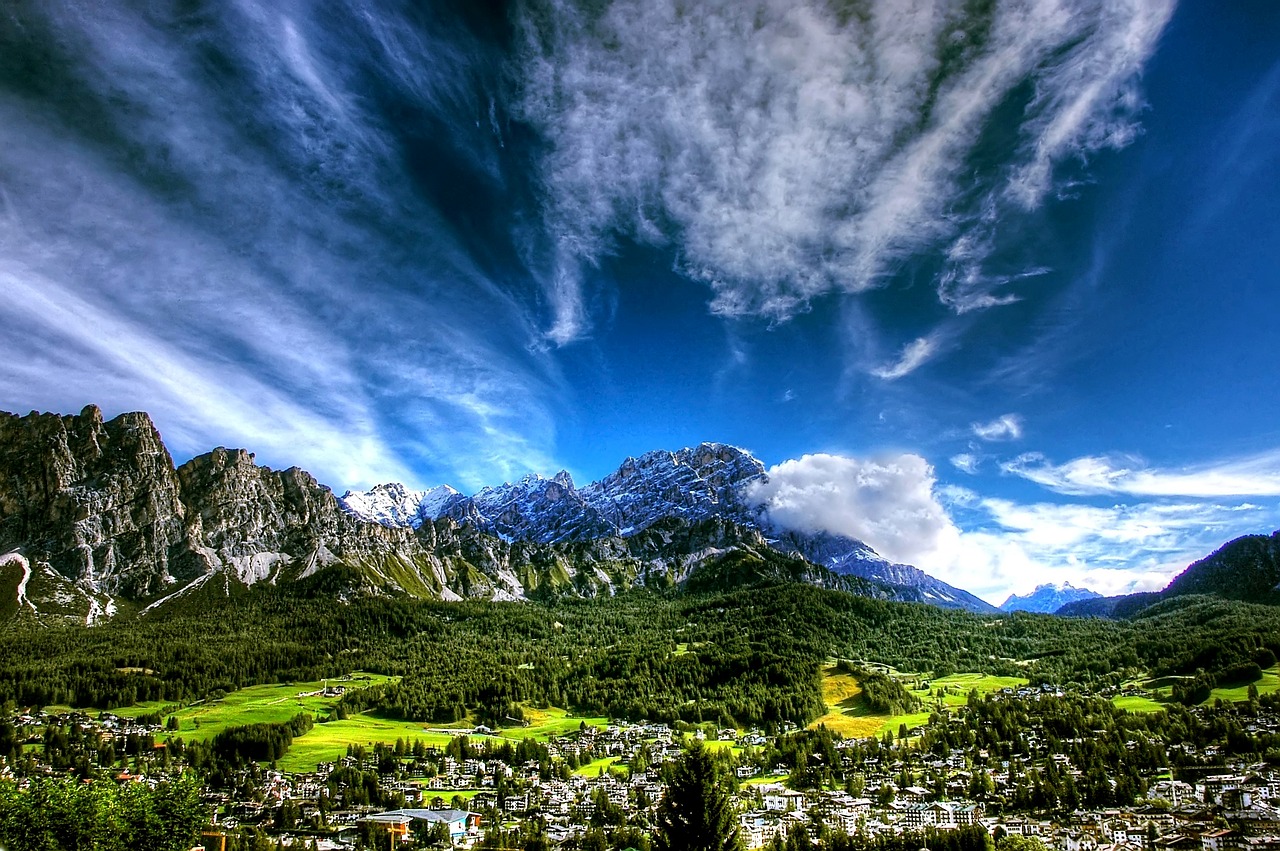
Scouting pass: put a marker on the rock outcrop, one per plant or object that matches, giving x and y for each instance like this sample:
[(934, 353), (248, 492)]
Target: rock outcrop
[(98, 501)]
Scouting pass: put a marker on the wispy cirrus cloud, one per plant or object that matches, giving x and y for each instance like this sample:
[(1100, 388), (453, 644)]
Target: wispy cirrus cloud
[(788, 150), (212, 215), (1256, 475), (913, 356), (1005, 427)]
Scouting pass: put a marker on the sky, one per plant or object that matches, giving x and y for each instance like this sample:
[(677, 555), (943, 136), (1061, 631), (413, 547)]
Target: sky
[(988, 285)]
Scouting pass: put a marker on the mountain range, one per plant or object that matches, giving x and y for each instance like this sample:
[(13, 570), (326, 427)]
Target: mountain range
[(692, 484), (96, 519)]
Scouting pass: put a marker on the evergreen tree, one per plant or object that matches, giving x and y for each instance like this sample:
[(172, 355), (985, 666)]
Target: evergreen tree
[(696, 813)]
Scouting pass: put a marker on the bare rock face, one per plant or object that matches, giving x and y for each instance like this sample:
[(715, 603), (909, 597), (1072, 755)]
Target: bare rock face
[(99, 502), (96, 511), (695, 483)]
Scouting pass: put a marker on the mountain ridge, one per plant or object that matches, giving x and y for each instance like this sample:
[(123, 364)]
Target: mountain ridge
[(96, 519), (697, 482), (1047, 598), (1245, 568)]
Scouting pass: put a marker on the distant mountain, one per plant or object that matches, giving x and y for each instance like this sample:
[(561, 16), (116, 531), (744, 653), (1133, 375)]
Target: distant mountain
[(711, 480), (1047, 598), (1247, 568)]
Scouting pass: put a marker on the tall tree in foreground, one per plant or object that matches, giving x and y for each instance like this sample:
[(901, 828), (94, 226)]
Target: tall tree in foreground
[(696, 813)]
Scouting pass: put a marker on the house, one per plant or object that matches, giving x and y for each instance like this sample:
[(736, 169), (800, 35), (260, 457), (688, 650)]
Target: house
[(1220, 840), (461, 824)]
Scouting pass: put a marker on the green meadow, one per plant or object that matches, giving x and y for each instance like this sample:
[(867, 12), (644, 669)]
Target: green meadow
[(265, 704), (328, 741), (848, 714), (1137, 703), (1269, 684), (598, 767)]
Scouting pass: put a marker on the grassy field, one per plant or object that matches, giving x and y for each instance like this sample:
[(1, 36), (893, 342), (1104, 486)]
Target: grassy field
[(848, 714), (1137, 703), (764, 780), (266, 704), (1269, 684), (956, 687), (545, 723), (1162, 688), (598, 767), (328, 742)]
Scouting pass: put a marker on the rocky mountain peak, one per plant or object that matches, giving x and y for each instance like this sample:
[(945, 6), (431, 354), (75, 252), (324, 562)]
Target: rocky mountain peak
[(94, 499), (1048, 597), (696, 484)]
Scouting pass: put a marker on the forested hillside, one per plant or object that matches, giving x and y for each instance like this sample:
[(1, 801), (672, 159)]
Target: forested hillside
[(746, 656)]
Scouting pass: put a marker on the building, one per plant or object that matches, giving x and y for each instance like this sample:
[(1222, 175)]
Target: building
[(461, 824)]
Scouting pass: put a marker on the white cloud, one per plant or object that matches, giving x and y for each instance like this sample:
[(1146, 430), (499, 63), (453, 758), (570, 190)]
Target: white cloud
[(993, 546), (1257, 475), (791, 149), (1109, 549), (965, 462), (913, 356), (887, 502), (1007, 427)]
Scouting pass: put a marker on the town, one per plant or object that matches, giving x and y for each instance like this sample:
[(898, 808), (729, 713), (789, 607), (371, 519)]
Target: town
[(1064, 767)]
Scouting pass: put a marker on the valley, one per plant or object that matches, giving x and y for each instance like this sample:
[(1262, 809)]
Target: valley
[(542, 656)]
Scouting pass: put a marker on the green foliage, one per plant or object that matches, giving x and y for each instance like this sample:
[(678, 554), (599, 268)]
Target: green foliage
[(747, 656), (882, 693), (259, 742), (972, 838), (696, 812), (1015, 842), (66, 815)]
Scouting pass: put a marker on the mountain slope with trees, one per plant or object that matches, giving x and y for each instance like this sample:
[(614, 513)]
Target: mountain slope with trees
[(1245, 569)]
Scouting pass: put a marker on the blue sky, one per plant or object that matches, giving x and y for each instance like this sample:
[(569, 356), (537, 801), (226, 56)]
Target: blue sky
[(988, 284)]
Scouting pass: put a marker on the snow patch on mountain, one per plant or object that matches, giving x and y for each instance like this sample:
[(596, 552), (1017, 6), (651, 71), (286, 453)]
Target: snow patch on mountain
[(1047, 598), (693, 484), (393, 504)]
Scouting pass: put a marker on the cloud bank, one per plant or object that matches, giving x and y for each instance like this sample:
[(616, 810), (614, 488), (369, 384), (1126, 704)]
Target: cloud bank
[(1257, 475), (887, 501), (791, 149), (990, 546)]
